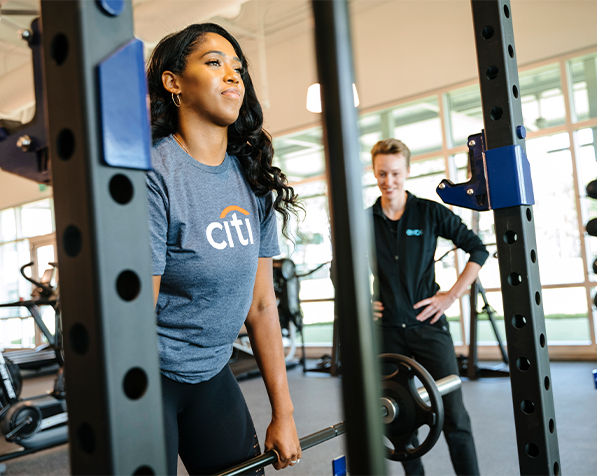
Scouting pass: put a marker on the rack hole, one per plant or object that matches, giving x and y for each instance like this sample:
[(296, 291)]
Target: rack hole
[(523, 364), (519, 321), (128, 285), (527, 407), (65, 144), (492, 72), (529, 214), (556, 469), (510, 237), (542, 340), (538, 298), (533, 256), (546, 383), (511, 51), (121, 189), (532, 450), (514, 279), (59, 48), (135, 383), (552, 426), (72, 241), (144, 471), (86, 438), (487, 32), (506, 11), (79, 338), (496, 113), (515, 91)]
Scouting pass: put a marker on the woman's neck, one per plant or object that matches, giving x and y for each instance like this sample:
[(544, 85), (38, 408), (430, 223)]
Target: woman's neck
[(394, 209), (205, 142)]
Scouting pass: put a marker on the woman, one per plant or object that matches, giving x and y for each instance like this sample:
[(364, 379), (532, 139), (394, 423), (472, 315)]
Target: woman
[(213, 232)]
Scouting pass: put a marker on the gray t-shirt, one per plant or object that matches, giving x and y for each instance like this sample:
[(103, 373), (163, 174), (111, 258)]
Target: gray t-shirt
[(208, 229)]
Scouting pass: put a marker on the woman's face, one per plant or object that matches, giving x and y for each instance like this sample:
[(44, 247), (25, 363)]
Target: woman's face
[(211, 84)]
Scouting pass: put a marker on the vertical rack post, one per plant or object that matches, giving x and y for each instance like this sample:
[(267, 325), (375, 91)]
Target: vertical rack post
[(98, 135), (530, 375), (351, 232)]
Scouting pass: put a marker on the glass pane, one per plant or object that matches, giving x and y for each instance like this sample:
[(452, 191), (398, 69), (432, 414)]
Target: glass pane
[(36, 219), (465, 114), (485, 332), (556, 219), (300, 155), (8, 225), (566, 317), (583, 75), (542, 98), (587, 171), (418, 125), (370, 133), (425, 176), (318, 312)]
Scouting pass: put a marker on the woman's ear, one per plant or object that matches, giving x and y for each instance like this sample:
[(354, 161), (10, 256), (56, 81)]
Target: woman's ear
[(170, 82)]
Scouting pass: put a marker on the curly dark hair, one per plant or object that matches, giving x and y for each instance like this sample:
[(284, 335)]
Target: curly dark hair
[(247, 140)]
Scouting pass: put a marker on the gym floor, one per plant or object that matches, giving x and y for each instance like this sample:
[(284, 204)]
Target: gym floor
[(317, 401)]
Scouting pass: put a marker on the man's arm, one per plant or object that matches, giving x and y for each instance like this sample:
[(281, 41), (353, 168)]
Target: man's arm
[(263, 327), (436, 305)]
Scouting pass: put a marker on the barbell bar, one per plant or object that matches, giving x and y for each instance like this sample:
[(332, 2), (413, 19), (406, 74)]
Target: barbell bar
[(389, 410)]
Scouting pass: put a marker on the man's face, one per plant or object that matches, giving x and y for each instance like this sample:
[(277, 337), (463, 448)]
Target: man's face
[(391, 173)]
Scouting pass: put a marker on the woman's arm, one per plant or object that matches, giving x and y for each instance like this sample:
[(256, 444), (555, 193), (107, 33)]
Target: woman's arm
[(156, 289), (263, 327), (436, 305)]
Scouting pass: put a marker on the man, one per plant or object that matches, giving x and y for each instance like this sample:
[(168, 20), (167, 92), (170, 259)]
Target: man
[(408, 303)]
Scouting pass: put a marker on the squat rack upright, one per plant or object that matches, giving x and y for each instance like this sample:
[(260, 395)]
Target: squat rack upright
[(99, 147)]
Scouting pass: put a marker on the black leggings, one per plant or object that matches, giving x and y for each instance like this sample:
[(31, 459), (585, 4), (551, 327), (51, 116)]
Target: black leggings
[(208, 424)]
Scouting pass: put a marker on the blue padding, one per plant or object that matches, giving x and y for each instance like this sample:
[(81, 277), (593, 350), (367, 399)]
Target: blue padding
[(339, 466), (125, 119), (112, 7), (508, 177)]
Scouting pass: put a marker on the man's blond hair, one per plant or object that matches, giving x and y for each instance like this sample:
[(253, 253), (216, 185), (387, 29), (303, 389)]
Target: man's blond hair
[(391, 147)]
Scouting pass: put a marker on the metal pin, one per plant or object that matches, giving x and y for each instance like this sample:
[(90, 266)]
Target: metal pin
[(470, 191), (471, 143), (441, 186), (24, 143)]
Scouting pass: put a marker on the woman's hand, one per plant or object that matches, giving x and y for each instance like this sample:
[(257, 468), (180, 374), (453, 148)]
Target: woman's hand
[(377, 310), (281, 437), (436, 305)]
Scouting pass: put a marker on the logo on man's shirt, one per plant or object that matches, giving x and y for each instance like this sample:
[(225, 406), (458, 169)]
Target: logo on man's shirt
[(413, 232), (220, 235)]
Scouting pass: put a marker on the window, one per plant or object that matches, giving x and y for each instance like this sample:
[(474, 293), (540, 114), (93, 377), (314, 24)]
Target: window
[(17, 226), (562, 163), (542, 98), (583, 76)]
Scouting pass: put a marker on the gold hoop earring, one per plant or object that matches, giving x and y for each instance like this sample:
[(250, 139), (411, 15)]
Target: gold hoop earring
[(177, 104)]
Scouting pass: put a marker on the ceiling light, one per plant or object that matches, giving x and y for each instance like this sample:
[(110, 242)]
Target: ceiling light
[(314, 97)]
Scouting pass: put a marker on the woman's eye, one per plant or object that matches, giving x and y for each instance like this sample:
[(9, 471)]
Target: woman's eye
[(214, 62), (239, 70)]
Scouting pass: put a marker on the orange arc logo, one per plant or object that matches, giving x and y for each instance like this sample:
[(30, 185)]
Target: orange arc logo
[(233, 208)]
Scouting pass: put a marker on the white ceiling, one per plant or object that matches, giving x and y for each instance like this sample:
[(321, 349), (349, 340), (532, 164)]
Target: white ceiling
[(251, 22)]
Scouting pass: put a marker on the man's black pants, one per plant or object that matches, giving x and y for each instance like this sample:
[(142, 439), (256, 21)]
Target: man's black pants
[(433, 348)]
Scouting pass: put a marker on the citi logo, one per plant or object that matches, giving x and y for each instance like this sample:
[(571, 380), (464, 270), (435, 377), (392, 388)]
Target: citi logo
[(219, 234), (414, 232)]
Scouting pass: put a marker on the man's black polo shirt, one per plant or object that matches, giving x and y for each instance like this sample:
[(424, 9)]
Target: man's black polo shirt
[(404, 271)]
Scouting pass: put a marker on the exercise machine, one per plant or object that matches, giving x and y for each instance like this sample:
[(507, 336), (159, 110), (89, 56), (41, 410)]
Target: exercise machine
[(33, 423), (43, 294), (286, 287)]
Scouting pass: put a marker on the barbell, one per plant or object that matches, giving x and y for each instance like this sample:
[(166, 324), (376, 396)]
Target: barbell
[(404, 409)]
